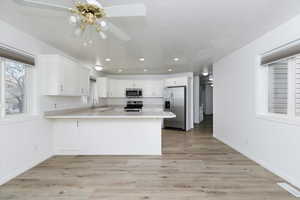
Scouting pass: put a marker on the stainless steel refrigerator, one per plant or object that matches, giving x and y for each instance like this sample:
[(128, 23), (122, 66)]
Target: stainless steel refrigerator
[(175, 102)]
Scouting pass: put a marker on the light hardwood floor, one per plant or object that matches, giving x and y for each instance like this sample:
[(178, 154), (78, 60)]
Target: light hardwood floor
[(194, 166)]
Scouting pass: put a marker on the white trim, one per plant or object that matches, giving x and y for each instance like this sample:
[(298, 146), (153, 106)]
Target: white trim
[(23, 169), (290, 189), (294, 181), (284, 119)]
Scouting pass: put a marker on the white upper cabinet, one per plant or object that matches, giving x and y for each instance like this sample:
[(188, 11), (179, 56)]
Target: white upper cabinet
[(176, 81), (115, 88), (102, 87), (153, 88), (63, 77), (84, 80)]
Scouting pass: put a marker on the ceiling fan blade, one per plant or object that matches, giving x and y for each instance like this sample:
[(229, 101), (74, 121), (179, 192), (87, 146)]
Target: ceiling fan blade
[(39, 4), (132, 10), (118, 32), (94, 2)]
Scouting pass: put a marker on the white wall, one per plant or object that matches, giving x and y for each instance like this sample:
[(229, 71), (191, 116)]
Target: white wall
[(23, 145), (197, 99), (27, 141), (274, 145)]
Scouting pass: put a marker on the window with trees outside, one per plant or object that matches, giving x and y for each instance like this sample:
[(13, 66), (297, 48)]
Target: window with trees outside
[(15, 84)]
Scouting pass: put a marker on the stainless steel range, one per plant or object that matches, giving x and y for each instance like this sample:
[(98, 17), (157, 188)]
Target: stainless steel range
[(134, 106)]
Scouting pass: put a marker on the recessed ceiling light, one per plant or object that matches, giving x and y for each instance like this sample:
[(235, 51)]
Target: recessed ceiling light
[(98, 68), (142, 59), (107, 59), (169, 70), (145, 70), (176, 59), (120, 70), (205, 73)]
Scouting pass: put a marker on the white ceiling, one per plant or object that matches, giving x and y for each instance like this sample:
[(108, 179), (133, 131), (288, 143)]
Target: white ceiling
[(198, 32)]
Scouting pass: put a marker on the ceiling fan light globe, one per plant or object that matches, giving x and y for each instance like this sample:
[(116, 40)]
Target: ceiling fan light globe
[(78, 32), (103, 24), (73, 20), (102, 35)]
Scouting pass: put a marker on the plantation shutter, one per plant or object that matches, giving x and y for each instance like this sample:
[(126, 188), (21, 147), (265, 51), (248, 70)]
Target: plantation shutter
[(278, 88)]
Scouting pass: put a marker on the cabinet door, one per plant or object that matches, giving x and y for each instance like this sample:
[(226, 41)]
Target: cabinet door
[(170, 82), (152, 88), (181, 81), (178, 81), (84, 81), (147, 88), (116, 88), (138, 83), (71, 82), (157, 88), (102, 87), (66, 136), (52, 75)]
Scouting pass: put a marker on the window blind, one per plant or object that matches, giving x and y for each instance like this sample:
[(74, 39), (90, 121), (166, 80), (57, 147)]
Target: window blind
[(278, 88), (286, 51), (16, 55), (297, 87)]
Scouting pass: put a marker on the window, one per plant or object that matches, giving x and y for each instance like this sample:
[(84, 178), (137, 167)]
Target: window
[(278, 88), (15, 87)]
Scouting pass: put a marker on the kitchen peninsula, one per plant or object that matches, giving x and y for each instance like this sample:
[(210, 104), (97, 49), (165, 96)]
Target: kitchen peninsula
[(108, 131)]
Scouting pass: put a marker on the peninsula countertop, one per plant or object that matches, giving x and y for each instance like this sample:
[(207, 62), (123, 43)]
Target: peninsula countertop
[(110, 113)]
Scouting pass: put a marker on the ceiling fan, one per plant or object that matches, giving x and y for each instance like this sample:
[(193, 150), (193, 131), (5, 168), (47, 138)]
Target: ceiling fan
[(91, 13)]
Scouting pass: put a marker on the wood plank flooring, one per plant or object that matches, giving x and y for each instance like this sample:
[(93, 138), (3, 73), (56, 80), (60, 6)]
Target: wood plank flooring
[(194, 166)]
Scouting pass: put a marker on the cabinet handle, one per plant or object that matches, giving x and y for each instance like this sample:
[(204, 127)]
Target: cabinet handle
[(77, 123), (61, 88)]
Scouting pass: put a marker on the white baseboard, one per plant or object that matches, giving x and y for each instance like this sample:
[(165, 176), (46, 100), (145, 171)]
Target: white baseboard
[(264, 164), (22, 169), (290, 189)]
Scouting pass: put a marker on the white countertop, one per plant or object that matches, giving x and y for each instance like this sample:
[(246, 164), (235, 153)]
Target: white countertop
[(110, 113)]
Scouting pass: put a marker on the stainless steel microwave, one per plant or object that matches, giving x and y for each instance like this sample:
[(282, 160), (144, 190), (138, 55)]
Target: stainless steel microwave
[(134, 92)]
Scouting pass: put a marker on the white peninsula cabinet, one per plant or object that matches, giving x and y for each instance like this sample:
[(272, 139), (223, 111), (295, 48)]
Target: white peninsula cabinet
[(63, 77), (115, 88)]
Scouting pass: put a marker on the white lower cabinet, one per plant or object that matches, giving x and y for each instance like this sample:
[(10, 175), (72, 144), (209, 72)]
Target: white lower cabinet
[(107, 136), (66, 136)]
